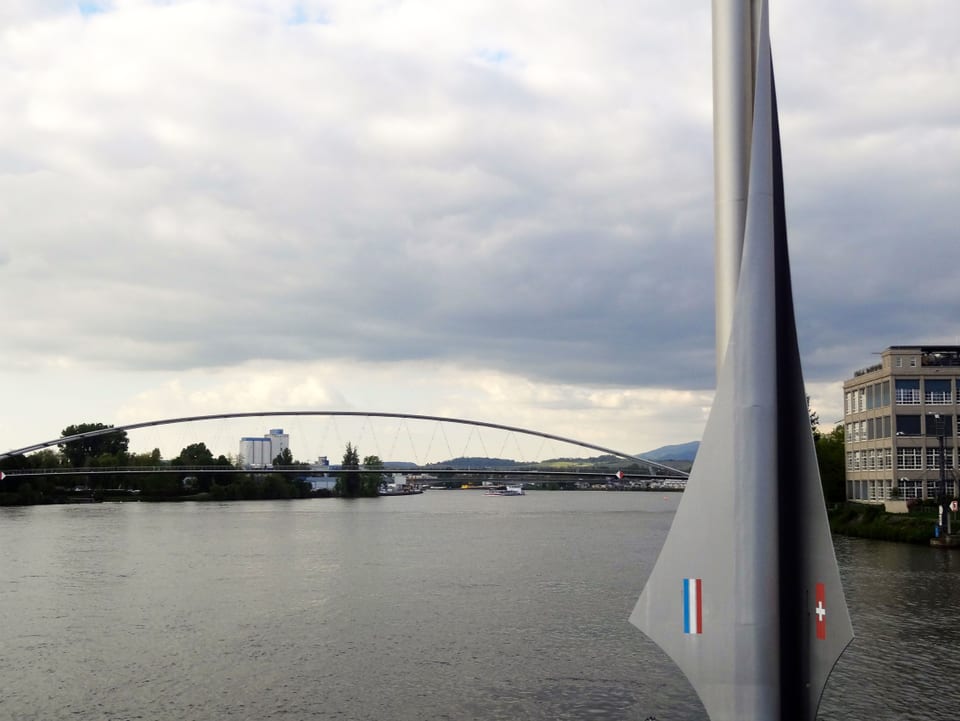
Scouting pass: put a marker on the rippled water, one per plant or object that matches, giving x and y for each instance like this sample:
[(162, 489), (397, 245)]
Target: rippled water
[(449, 605), (905, 660)]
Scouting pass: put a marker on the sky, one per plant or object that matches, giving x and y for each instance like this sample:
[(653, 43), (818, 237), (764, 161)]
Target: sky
[(500, 211)]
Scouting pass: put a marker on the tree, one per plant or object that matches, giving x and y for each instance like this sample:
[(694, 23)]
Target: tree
[(80, 452), (830, 460), (44, 459), (196, 454), (16, 490), (371, 479), (814, 419), (152, 458), (348, 482), (284, 458)]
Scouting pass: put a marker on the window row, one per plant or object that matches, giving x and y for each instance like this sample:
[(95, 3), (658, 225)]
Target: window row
[(931, 424), (906, 392), (870, 490), (914, 489), (869, 429), (878, 459), (908, 459), (910, 489), (868, 398), (880, 489), (898, 362), (933, 391)]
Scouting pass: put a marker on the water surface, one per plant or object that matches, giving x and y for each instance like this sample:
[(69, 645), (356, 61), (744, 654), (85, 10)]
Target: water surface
[(448, 605)]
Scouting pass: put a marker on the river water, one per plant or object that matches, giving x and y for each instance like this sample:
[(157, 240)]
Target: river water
[(447, 605)]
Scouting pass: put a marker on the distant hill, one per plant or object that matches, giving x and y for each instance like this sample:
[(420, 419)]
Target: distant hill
[(474, 462), (678, 452)]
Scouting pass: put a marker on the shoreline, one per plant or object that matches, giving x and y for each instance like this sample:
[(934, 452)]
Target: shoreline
[(862, 520)]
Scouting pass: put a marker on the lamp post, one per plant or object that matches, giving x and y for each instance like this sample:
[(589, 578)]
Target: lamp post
[(944, 511)]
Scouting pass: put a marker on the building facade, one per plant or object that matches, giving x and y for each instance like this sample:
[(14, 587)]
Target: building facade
[(259, 451), (900, 424)]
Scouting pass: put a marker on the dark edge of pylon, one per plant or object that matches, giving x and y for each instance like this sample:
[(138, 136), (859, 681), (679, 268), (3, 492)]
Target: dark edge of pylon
[(794, 655)]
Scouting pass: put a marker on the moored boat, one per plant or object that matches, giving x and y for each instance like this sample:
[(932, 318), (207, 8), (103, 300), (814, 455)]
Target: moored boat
[(506, 491)]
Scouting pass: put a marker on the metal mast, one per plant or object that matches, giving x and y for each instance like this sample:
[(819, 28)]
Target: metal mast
[(735, 37)]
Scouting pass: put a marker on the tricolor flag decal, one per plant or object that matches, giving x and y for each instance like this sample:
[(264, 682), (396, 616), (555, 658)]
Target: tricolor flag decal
[(821, 611), (692, 605)]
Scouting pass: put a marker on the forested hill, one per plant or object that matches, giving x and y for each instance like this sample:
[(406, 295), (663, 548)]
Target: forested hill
[(677, 452)]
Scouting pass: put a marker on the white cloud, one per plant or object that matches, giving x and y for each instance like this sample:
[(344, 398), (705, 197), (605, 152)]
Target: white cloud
[(233, 203)]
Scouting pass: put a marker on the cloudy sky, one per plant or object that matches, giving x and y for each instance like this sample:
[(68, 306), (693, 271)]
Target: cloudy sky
[(493, 210)]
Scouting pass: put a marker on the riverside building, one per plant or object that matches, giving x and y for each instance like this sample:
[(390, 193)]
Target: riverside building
[(259, 451), (900, 419)]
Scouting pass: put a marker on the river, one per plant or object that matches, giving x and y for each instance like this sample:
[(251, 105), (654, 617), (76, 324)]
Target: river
[(447, 605)]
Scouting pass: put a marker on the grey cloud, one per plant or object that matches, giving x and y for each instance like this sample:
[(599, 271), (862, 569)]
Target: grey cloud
[(335, 197)]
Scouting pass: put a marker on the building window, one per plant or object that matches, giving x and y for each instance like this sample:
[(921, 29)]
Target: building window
[(908, 425), (898, 362), (937, 426), (913, 361), (909, 459), (888, 458), (933, 459), (907, 391), (885, 393), (933, 488), (850, 460), (937, 392), (886, 427), (911, 489)]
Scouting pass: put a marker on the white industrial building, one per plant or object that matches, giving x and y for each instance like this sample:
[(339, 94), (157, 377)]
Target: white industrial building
[(259, 451)]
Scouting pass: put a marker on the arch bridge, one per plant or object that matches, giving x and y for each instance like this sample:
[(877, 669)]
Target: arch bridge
[(654, 470)]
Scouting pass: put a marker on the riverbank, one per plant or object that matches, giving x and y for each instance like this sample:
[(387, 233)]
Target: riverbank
[(862, 520)]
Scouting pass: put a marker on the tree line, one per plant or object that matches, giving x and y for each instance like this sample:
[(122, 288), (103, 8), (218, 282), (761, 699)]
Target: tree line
[(355, 479), (199, 480)]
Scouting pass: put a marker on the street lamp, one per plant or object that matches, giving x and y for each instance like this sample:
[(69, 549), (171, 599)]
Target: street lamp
[(944, 512)]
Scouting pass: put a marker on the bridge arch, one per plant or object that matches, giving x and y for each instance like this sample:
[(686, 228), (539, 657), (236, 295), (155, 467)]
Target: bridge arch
[(369, 414)]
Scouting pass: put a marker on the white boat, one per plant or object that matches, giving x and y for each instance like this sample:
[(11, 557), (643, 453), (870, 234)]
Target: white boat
[(506, 491)]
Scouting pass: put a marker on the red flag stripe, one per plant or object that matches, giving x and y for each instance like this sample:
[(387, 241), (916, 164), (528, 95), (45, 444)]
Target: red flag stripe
[(821, 612), (699, 605)]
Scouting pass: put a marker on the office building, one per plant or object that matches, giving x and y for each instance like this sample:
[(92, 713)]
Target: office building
[(900, 419)]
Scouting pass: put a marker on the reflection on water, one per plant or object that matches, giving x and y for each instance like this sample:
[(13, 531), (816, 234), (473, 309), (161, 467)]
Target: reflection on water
[(905, 602), (448, 605)]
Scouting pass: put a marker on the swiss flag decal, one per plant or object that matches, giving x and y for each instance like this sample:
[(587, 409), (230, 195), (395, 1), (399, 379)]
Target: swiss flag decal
[(821, 612)]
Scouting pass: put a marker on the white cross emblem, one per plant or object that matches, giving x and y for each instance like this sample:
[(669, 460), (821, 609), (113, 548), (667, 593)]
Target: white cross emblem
[(820, 611)]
